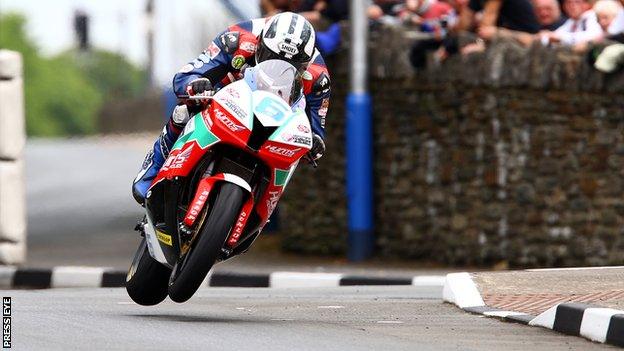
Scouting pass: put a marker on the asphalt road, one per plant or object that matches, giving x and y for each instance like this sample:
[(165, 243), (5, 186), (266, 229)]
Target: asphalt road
[(80, 210), (344, 318)]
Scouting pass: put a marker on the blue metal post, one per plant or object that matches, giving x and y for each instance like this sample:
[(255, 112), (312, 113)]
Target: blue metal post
[(359, 144), (360, 176)]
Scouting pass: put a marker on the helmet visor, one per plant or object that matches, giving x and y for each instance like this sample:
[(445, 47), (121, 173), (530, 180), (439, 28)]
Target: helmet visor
[(263, 53)]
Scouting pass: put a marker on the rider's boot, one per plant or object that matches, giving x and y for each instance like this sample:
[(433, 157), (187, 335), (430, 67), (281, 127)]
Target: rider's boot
[(154, 160), (157, 155)]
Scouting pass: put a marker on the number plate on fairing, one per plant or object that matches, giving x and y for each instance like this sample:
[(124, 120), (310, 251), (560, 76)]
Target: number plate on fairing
[(293, 126)]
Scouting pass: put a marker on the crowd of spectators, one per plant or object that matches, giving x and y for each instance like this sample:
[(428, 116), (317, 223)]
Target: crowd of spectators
[(577, 24)]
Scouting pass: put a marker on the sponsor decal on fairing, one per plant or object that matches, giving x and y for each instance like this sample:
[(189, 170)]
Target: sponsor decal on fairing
[(297, 139), (234, 108), (272, 201), (232, 92), (223, 118), (179, 159), (282, 151)]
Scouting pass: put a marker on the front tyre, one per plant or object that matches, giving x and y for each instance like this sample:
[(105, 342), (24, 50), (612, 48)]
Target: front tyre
[(146, 282), (191, 270)]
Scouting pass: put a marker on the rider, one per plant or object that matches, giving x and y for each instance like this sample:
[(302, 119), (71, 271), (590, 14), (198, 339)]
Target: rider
[(286, 36)]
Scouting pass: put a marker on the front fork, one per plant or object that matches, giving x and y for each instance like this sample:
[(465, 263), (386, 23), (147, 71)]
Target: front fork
[(199, 206)]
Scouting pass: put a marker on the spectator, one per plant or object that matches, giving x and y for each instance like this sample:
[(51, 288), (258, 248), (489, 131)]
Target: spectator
[(324, 16), (549, 17), (385, 8), (510, 15), (581, 26), (319, 10), (606, 12), (617, 27), (444, 40), (515, 15), (425, 13), (548, 14)]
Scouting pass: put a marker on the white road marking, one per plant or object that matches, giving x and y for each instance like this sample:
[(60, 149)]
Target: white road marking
[(330, 307)]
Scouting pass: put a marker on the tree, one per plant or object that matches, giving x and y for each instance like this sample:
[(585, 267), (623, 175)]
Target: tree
[(60, 99)]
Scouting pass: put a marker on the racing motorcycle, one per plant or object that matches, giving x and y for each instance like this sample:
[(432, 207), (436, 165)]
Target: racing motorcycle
[(220, 183)]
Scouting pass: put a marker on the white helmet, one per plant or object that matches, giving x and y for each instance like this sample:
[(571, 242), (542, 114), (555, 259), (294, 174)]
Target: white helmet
[(287, 36)]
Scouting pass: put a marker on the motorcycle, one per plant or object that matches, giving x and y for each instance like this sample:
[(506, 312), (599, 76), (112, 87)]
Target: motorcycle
[(220, 183)]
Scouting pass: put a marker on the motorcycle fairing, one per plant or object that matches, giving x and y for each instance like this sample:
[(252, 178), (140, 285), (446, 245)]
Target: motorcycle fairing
[(232, 117)]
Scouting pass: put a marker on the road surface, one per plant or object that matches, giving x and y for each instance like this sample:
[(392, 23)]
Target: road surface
[(344, 318)]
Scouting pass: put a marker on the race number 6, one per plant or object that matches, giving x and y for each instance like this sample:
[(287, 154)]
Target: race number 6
[(271, 107)]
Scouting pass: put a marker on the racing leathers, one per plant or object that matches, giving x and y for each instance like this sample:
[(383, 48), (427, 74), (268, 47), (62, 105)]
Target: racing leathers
[(223, 62)]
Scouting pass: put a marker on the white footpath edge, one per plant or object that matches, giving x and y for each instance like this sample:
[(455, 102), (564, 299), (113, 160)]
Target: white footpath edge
[(87, 277), (460, 290), (76, 277), (594, 325), (545, 319)]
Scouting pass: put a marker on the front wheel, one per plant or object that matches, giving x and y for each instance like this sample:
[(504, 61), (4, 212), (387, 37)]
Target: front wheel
[(146, 282), (191, 270)]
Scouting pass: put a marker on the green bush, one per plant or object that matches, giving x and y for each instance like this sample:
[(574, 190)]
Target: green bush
[(110, 73), (60, 100), (64, 94)]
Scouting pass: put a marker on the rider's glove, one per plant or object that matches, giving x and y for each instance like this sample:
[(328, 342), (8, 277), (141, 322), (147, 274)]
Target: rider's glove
[(318, 148), (200, 87)]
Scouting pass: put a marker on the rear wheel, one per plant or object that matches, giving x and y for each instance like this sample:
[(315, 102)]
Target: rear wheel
[(191, 269), (147, 279)]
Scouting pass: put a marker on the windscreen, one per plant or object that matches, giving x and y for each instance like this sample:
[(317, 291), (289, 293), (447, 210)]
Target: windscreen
[(274, 76)]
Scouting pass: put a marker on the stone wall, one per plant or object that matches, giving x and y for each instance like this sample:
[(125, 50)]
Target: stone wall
[(514, 156)]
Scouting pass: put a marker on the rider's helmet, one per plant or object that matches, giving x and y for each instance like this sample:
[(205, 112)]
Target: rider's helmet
[(287, 36)]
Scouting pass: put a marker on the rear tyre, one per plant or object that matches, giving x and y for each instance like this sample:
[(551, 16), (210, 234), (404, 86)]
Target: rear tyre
[(191, 270), (147, 279)]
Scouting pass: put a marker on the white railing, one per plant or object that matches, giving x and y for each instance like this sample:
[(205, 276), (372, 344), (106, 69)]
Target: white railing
[(12, 141)]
